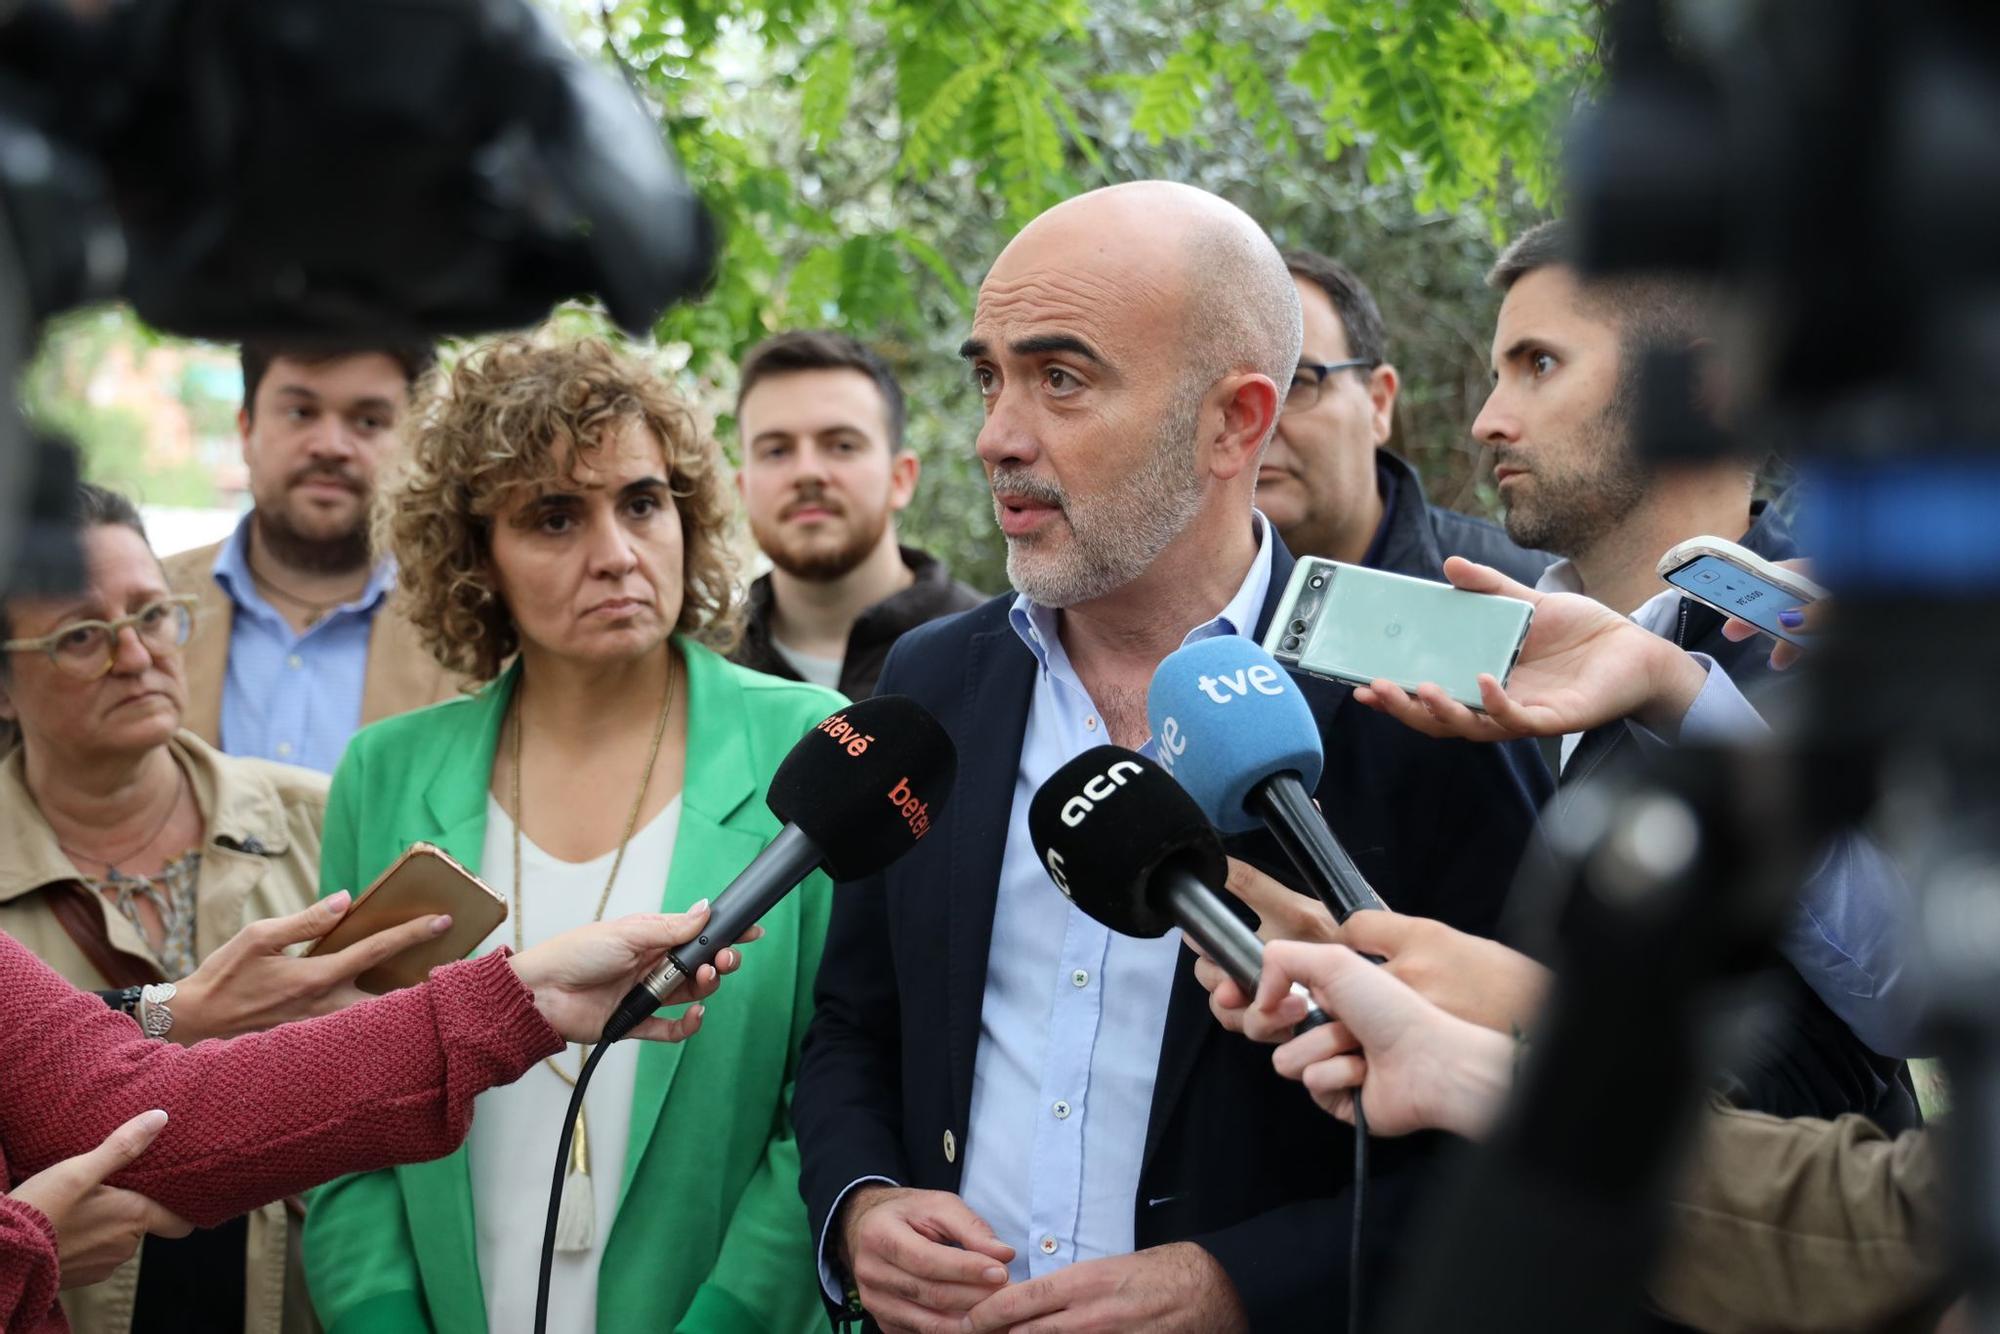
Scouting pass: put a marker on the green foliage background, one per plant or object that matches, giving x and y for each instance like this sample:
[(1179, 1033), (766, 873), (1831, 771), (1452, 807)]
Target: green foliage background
[(868, 158)]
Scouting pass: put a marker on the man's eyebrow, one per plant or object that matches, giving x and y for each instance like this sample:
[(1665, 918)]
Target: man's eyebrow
[(642, 484), (1040, 344)]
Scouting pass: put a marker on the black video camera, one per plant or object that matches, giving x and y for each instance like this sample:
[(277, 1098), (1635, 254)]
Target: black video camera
[(346, 169)]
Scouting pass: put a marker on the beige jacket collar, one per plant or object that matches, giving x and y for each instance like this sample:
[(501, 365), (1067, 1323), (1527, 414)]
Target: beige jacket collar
[(240, 811)]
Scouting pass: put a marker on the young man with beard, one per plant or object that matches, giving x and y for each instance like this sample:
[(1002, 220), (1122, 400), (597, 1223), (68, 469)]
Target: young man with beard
[(824, 474), (299, 643), (1567, 356), (1005, 1111), (1328, 481)]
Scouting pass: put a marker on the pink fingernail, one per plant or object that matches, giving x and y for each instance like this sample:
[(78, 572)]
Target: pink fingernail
[(701, 906), (440, 924), (337, 903)]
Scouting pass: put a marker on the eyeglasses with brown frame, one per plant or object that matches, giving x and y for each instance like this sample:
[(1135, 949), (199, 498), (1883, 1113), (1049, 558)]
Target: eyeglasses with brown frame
[(85, 650)]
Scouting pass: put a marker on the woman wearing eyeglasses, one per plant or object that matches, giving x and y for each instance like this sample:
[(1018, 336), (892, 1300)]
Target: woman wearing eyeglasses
[(137, 860)]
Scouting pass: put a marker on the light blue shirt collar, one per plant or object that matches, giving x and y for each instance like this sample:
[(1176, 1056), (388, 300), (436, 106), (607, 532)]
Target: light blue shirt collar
[(232, 575)]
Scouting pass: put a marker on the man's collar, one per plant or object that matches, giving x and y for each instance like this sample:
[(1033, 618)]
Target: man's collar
[(1039, 626), (232, 574)]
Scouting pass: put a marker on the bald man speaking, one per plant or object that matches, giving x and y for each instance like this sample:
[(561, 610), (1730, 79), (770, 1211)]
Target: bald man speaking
[(1007, 1115)]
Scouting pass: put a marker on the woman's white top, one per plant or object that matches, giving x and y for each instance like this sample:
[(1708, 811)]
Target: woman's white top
[(512, 1145)]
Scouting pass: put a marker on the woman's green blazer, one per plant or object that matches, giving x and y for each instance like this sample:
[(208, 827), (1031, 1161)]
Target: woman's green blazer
[(710, 1232)]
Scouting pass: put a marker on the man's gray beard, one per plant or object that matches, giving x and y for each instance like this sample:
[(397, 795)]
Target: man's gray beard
[(1115, 539), (342, 553), (1573, 511)]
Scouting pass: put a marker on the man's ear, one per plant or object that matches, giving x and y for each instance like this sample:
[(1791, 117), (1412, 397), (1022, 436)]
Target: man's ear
[(904, 469), (243, 431), (1383, 384), (8, 713), (1249, 403)]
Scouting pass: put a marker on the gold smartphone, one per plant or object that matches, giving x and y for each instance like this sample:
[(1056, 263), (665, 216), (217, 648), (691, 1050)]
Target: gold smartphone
[(423, 882)]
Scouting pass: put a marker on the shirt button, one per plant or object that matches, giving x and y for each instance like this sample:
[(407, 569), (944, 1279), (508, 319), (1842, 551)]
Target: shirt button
[(950, 1147), (295, 662), (1079, 978), (1090, 724), (1061, 1109), (1048, 1245), (284, 747)]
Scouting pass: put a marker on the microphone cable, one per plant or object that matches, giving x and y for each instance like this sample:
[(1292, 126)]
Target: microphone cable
[(1354, 1234), (556, 1190)]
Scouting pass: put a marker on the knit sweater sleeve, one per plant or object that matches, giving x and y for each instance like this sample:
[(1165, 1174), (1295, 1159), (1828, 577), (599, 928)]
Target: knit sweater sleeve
[(259, 1117), (29, 1270)]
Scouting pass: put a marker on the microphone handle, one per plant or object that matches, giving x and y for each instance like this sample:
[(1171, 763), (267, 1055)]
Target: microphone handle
[(1224, 937), (1285, 806), (771, 874)]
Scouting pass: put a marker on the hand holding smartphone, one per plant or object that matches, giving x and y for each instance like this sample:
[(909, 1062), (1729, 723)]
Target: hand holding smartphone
[(1356, 625), (1738, 583), (424, 882)]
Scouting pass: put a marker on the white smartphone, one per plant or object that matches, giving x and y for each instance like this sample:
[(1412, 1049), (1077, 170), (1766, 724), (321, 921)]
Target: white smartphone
[(1356, 625), (1738, 582)]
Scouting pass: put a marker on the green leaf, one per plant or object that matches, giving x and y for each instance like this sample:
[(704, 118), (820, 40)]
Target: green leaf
[(829, 81)]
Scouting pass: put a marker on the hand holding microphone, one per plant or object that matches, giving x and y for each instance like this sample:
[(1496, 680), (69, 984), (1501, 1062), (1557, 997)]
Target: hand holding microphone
[(855, 793), (1232, 726)]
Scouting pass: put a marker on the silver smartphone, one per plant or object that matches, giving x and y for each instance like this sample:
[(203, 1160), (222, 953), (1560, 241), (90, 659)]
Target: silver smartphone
[(1357, 625), (1736, 581)]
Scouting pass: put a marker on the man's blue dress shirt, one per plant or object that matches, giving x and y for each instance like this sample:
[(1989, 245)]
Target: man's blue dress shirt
[(290, 696), (1073, 1014)]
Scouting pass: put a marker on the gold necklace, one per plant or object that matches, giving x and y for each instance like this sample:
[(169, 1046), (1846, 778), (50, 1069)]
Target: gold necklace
[(576, 1222)]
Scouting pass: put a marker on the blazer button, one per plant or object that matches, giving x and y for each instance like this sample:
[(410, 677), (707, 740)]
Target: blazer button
[(950, 1147)]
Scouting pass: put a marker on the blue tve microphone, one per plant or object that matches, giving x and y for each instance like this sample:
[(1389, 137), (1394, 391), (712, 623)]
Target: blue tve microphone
[(1231, 725)]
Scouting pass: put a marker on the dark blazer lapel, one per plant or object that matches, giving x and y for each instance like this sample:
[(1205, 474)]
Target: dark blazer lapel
[(1189, 1024), (999, 680)]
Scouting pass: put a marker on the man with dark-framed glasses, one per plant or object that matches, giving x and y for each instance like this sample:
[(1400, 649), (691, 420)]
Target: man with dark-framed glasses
[(1327, 480)]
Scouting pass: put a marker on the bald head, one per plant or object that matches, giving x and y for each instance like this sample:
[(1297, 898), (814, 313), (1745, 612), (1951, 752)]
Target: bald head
[(1179, 259)]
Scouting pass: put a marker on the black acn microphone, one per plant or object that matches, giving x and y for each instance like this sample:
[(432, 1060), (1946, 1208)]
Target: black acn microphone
[(856, 793), (1236, 732), (1129, 847)]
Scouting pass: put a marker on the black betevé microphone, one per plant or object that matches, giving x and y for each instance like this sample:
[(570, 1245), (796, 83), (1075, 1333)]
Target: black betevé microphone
[(1129, 847), (855, 793)]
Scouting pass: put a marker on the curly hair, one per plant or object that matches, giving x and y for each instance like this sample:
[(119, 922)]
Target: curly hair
[(520, 413)]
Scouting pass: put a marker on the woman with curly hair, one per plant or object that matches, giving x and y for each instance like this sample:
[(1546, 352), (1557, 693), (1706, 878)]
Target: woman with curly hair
[(561, 528)]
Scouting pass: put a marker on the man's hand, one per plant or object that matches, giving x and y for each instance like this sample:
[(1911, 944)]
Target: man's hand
[(251, 983), (921, 1258), (1174, 1287), (1413, 1066), (98, 1227), (1582, 665), (1478, 980)]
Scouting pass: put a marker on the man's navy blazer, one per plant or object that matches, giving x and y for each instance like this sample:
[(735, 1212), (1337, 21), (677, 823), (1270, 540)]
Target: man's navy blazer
[(1236, 1159)]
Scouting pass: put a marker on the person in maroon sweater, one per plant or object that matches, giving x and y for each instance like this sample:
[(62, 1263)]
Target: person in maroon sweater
[(106, 1135)]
